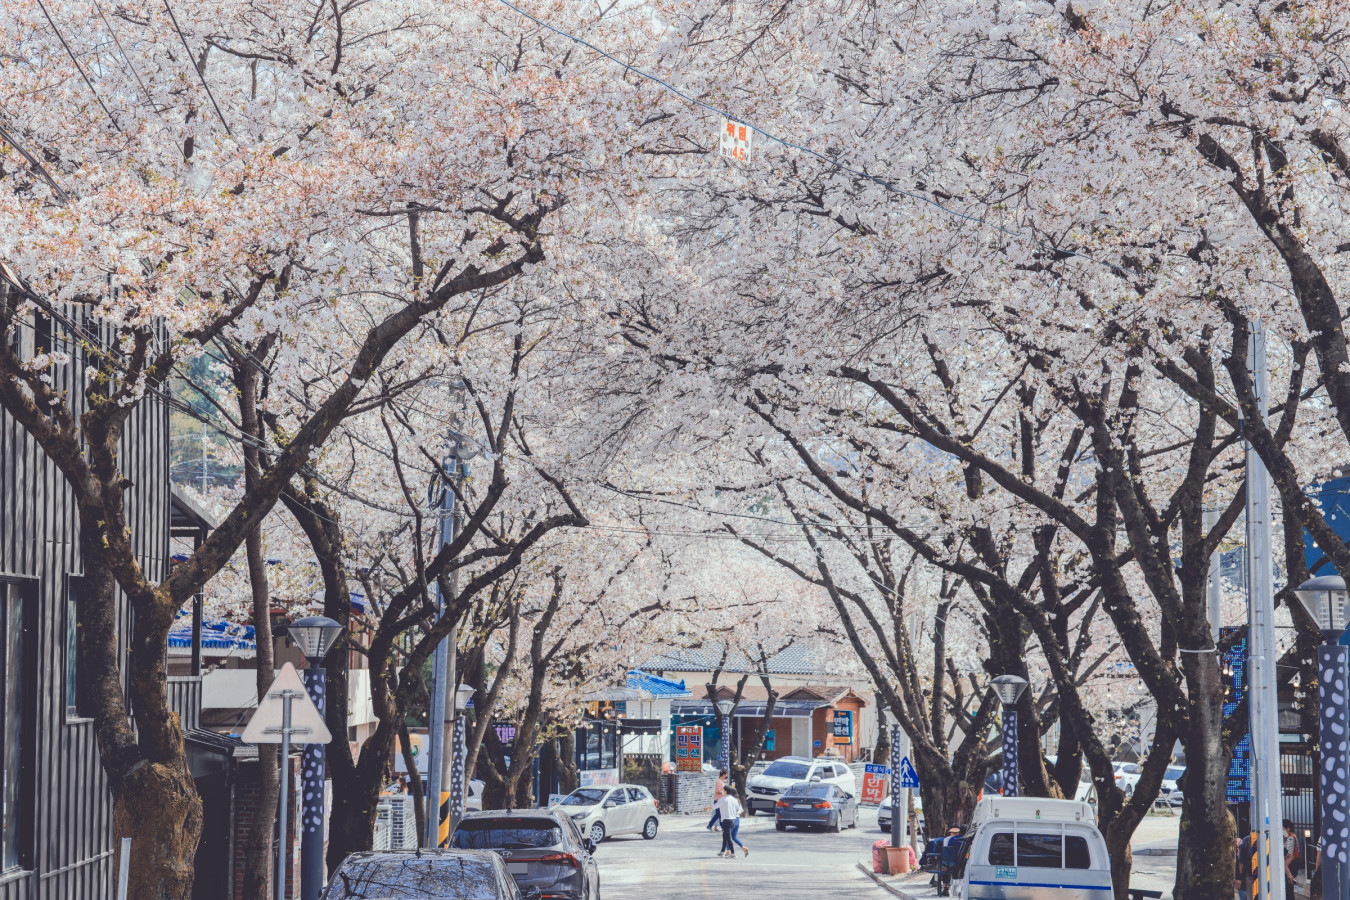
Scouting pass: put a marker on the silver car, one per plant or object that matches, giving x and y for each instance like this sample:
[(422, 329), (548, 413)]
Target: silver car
[(417, 875), (602, 812)]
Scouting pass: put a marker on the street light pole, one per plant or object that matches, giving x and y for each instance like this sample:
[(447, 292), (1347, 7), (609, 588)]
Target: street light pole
[(315, 636), (1325, 598), (724, 708), (463, 695), (440, 673), (1009, 689)]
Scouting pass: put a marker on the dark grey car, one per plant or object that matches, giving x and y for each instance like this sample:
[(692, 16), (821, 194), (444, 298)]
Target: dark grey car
[(543, 851), (425, 875), (816, 804)]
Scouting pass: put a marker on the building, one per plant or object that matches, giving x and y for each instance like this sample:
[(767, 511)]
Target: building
[(810, 702)]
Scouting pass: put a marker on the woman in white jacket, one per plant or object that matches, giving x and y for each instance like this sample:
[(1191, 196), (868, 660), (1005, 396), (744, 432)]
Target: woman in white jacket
[(730, 808)]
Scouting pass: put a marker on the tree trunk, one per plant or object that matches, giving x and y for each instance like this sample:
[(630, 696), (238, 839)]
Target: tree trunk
[(419, 793), (258, 856), (352, 825), (569, 776), (1206, 846)]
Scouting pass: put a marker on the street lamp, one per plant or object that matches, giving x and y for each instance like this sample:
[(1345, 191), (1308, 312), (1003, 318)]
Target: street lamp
[(463, 697), (315, 636), (724, 708), (1324, 597), (1009, 690)]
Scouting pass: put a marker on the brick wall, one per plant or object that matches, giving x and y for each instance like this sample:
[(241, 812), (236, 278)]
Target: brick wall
[(246, 811), (690, 792)]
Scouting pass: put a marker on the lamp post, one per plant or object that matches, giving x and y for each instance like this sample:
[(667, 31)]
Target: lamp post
[(315, 636), (1009, 689), (463, 697), (1324, 598), (724, 708)]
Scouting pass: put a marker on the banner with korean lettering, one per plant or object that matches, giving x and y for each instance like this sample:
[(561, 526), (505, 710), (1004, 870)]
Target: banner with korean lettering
[(688, 748), (874, 786)]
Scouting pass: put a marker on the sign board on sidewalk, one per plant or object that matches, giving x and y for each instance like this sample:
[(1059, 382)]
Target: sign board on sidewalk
[(307, 726), (689, 748), (874, 783), (908, 777)]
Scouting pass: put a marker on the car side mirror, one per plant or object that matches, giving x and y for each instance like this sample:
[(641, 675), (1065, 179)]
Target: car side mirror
[(848, 796), (590, 845), (531, 893), (815, 778)]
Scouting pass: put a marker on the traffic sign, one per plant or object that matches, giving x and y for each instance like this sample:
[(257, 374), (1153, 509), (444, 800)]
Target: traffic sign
[(908, 777), (307, 726)]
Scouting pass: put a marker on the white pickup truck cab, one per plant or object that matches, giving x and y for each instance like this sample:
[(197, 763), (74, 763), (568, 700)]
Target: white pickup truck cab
[(1029, 848)]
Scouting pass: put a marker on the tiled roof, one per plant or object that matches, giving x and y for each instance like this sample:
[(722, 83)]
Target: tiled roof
[(795, 660), (656, 685)]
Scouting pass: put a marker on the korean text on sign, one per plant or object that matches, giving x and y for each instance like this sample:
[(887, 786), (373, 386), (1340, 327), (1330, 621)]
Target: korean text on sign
[(735, 140)]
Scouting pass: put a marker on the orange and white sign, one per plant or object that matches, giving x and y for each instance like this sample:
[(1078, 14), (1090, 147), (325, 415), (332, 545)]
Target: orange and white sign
[(874, 783), (735, 139)]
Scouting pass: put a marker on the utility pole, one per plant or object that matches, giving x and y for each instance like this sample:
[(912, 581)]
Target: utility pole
[(1267, 805)]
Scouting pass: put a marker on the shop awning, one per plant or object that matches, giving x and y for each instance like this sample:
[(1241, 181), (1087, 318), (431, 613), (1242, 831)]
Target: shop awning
[(785, 709)]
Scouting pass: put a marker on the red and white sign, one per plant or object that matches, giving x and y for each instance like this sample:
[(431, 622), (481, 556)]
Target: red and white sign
[(874, 788), (735, 139)]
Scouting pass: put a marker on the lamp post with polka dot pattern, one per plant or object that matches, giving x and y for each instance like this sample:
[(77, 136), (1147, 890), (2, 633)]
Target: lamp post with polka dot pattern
[(1324, 598), (315, 636), (1009, 689)]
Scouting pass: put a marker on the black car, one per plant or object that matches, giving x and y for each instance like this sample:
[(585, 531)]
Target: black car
[(543, 850), (816, 804), (423, 875)]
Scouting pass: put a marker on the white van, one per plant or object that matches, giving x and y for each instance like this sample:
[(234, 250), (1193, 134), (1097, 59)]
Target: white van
[(1029, 848)]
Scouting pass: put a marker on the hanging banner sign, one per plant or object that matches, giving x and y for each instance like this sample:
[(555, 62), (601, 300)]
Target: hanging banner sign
[(843, 726), (735, 139)]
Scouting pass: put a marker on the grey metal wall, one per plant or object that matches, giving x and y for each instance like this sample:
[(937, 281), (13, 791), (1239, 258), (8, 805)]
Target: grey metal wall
[(69, 823)]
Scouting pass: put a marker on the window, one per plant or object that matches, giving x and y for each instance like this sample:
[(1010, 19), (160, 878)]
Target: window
[(72, 647), (1041, 851), (609, 746), (784, 769), (584, 797), (1076, 855), (13, 732), (635, 795), (507, 834), (1001, 849)]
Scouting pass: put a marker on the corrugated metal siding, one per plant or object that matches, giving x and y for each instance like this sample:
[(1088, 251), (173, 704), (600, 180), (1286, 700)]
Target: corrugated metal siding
[(71, 850)]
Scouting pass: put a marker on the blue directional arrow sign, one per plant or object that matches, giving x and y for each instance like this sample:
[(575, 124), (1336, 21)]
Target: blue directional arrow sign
[(908, 777)]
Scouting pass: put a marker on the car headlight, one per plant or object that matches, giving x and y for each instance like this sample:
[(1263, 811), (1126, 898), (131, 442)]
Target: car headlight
[(580, 815)]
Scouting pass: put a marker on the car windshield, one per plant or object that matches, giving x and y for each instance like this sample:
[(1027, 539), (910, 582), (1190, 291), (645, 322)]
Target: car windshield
[(1174, 772), (457, 877), (584, 797), (784, 769), (506, 834), (809, 790)]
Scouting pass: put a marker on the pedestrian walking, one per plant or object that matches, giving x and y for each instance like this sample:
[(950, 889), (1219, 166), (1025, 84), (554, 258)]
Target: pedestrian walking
[(719, 791), (730, 808), (1293, 859)]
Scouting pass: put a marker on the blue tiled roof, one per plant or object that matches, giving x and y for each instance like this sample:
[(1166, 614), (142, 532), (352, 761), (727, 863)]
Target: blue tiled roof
[(217, 634), (657, 686)]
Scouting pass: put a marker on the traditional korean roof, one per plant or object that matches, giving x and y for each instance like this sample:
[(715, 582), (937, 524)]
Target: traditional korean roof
[(217, 634), (795, 660)]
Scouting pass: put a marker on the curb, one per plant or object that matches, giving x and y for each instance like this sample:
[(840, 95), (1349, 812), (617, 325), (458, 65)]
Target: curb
[(867, 870)]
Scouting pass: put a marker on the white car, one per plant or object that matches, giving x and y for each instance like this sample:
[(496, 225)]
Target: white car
[(1169, 784), (1127, 776), (603, 811), (473, 799), (764, 789)]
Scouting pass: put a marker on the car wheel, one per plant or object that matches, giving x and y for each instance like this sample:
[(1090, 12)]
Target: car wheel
[(781, 826), (597, 832), (649, 828), (750, 812), (833, 827)]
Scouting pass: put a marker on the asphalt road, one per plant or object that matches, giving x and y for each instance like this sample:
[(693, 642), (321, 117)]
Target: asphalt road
[(682, 863)]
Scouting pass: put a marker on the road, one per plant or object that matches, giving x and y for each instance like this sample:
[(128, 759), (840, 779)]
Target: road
[(682, 863)]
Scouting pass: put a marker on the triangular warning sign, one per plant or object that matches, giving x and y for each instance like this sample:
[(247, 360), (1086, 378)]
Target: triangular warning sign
[(307, 726), (908, 777)]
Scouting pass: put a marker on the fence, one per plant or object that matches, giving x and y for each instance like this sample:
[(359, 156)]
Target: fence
[(395, 824)]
